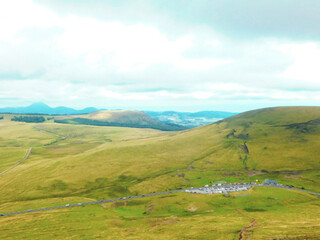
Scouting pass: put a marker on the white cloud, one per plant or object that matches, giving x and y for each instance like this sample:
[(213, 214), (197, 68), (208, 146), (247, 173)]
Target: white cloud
[(229, 87), (215, 43), (83, 95), (202, 95), (131, 47), (276, 94), (306, 66), (88, 58), (123, 96), (166, 94), (99, 45), (199, 64), (16, 15)]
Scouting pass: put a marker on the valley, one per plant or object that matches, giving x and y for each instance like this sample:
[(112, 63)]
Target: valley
[(72, 164)]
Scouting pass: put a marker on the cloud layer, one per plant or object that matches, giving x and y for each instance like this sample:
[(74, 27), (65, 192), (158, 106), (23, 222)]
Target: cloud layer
[(114, 56)]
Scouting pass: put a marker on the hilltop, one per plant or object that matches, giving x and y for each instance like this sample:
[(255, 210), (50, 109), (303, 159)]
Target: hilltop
[(134, 119), (77, 163), (276, 115)]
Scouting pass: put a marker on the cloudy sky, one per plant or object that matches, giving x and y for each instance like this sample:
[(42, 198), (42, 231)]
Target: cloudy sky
[(185, 55)]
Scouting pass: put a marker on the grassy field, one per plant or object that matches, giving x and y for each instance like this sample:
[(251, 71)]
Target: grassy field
[(76, 163), (278, 213)]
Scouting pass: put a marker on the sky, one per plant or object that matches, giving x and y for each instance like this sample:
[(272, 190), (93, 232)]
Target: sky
[(182, 55)]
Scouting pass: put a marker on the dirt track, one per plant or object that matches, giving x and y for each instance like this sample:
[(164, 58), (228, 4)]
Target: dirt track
[(21, 161), (245, 229)]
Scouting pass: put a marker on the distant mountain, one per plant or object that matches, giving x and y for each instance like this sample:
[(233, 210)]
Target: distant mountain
[(188, 119), (41, 108), (172, 118), (135, 119)]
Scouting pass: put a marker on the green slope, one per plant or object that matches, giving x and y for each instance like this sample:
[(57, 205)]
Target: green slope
[(238, 146), (72, 163), (276, 115)]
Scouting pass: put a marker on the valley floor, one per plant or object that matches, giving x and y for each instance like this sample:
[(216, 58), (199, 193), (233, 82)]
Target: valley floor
[(278, 213)]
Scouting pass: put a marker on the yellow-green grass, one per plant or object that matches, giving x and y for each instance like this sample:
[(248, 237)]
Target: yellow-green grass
[(276, 115), (279, 213), (10, 156), (95, 160), (71, 163)]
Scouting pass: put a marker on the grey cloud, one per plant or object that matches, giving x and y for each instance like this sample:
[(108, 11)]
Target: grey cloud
[(292, 19)]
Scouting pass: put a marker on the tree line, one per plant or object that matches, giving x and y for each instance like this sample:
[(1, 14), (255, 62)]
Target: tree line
[(28, 119)]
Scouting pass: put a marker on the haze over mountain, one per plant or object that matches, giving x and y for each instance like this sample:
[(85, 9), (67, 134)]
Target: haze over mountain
[(189, 119), (186, 119), (42, 108)]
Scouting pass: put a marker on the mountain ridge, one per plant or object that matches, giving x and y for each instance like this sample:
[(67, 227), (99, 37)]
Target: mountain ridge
[(186, 119), (42, 108)]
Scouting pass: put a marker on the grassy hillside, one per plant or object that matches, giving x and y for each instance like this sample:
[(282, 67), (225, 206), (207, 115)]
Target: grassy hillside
[(73, 163), (276, 115), (134, 119)]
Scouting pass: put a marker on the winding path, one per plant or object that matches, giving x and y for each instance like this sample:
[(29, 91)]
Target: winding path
[(245, 229), (21, 161), (90, 203)]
